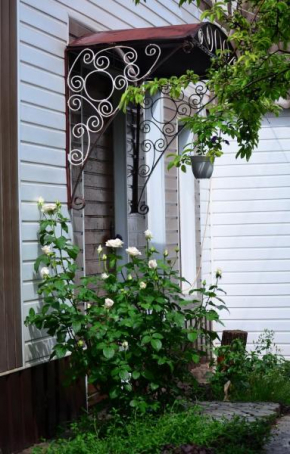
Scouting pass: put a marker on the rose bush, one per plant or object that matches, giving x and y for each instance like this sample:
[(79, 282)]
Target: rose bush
[(134, 336)]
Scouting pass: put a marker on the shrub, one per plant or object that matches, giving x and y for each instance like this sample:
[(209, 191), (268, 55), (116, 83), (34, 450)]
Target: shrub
[(130, 328), (258, 375)]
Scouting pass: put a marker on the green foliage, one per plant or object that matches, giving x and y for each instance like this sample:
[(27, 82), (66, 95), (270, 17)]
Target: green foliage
[(242, 90), (130, 328), (151, 434), (259, 375)]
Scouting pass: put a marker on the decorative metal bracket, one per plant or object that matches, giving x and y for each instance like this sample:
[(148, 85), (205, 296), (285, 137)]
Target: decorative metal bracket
[(120, 65), (166, 132)]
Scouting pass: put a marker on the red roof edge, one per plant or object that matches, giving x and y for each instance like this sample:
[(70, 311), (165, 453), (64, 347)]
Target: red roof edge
[(168, 33)]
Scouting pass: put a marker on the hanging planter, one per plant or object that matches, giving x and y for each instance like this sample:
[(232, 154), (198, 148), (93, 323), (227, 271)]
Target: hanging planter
[(202, 167)]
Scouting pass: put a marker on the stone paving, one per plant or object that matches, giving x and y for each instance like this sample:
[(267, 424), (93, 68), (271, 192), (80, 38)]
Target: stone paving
[(280, 441), (249, 411)]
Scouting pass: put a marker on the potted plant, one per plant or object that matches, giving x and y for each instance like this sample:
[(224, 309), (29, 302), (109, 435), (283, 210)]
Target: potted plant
[(207, 144), (202, 166)]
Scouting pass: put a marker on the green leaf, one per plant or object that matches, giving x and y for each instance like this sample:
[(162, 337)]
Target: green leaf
[(135, 375), (146, 339), (114, 393), (195, 358), (31, 312), (156, 344), (192, 336), (108, 352), (124, 375), (60, 351), (76, 326), (73, 252), (211, 315), (60, 242)]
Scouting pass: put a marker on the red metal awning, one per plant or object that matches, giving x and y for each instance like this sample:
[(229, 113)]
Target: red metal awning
[(155, 34), (187, 46)]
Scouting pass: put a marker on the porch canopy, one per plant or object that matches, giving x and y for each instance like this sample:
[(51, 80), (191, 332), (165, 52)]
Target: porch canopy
[(175, 42), (101, 66)]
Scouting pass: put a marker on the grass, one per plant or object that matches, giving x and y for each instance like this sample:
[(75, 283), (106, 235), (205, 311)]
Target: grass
[(150, 434), (271, 388)]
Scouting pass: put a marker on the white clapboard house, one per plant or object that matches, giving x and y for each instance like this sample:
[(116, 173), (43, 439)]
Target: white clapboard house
[(65, 63)]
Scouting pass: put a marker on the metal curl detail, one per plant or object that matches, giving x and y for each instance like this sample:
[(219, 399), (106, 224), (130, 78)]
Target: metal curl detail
[(78, 203), (143, 209), (99, 63)]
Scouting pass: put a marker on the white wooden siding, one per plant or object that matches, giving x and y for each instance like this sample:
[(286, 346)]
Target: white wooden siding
[(251, 233), (43, 34)]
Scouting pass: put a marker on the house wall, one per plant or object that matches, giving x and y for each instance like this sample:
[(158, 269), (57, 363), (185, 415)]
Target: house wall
[(10, 305), (251, 233), (43, 35)]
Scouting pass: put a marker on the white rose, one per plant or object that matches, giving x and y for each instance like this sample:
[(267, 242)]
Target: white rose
[(142, 285), (104, 276), (108, 303), (133, 251), (129, 277), (115, 243), (46, 250), (44, 272), (152, 264), (40, 202), (49, 208), (218, 273), (99, 249), (89, 305), (104, 257), (148, 235), (165, 253), (124, 346)]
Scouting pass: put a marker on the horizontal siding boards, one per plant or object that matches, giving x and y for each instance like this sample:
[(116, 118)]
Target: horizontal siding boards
[(34, 401), (44, 32), (10, 299), (251, 233), (204, 219), (171, 188), (99, 205)]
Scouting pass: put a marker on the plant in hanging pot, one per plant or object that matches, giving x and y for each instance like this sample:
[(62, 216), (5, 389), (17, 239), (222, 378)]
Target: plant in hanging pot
[(207, 144)]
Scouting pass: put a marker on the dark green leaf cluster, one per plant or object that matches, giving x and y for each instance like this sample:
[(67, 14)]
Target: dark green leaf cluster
[(130, 329)]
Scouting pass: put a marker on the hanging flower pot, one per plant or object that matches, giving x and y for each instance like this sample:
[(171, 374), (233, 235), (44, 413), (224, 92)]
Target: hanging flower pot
[(202, 167)]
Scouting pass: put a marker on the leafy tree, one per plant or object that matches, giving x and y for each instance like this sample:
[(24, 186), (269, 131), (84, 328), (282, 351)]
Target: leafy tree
[(243, 90)]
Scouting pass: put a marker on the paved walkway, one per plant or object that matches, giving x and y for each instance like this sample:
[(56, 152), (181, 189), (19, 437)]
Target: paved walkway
[(280, 442), (249, 411)]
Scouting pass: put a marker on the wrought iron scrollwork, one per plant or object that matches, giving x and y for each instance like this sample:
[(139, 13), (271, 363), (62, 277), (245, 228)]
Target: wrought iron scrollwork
[(120, 65), (210, 38), (164, 131), (100, 63)]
